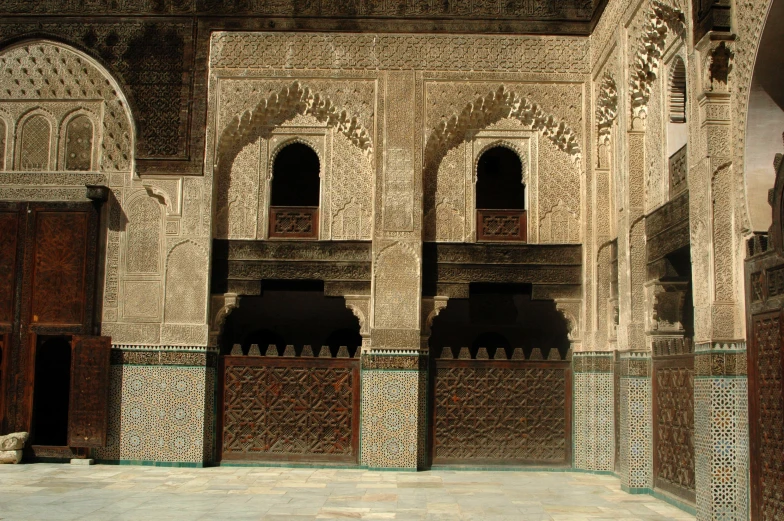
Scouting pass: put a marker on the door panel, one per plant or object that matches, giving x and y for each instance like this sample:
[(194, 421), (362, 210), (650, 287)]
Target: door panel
[(60, 262), (88, 419), (9, 228)]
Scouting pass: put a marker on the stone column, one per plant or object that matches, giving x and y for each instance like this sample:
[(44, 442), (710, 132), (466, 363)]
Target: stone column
[(394, 368), (636, 415), (720, 386), (594, 418)]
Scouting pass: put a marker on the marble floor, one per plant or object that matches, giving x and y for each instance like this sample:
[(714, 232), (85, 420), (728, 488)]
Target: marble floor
[(43, 492)]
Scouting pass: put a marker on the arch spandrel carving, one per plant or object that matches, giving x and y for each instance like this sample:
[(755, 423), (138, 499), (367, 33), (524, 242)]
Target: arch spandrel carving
[(43, 71)]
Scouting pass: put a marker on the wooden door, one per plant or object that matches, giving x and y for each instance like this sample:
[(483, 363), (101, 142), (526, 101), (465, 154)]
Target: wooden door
[(88, 410), (48, 260)]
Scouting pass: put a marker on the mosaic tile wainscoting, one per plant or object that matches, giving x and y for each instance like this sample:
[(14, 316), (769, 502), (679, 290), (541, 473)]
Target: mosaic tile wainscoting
[(636, 417), (161, 408), (393, 427), (594, 419), (721, 431)]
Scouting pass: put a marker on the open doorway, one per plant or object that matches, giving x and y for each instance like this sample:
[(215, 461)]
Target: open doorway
[(52, 391)]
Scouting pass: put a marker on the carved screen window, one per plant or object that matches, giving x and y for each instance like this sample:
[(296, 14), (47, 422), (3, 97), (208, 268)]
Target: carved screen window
[(36, 142), (79, 144), (295, 193)]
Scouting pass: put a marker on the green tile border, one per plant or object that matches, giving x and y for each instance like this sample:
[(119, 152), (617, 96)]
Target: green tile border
[(667, 498), (290, 465), (146, 463)]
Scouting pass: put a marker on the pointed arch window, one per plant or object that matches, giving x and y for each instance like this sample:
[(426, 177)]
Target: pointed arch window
[(500, 196), (35, 144), (295, 193)]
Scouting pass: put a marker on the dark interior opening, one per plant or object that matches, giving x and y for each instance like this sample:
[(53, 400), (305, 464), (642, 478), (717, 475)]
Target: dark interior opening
[(295, 177), (499, 184), (292, 313), (500, 316), (680, 260), (52, 391)]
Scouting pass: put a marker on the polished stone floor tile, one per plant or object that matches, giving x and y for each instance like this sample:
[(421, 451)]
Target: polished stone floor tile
[(49, 492)]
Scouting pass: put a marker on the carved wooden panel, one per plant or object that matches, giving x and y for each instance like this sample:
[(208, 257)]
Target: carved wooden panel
[(9, 227), (502, 412), (88, 408), (766, 418), (501, 225), (294, 222), (673, 429), (291, 409), (3, 372), (60, 261)]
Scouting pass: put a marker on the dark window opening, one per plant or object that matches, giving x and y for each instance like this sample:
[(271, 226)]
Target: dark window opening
[(295, 313), (295, 177), (500, 316), (499, 183), (52, 391)]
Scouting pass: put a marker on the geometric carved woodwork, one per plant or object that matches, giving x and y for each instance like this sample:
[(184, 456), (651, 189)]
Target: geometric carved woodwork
[(290, 409), (9, 225), (673, 427), (766, 419), (294, 222), (501, 225), (51, 258), (88, 408), (58, 290), (501, 412)]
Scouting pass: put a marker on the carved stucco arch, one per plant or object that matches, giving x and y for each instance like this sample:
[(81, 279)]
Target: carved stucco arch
[(484, 111), (282, 106), (80, 77), (606, 107), (660, 20), (503, 143), (290, 141)]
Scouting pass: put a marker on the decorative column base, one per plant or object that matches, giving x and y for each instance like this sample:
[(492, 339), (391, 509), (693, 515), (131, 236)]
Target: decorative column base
[(721, 431), (394, 409), (636, 418), (594, 445)]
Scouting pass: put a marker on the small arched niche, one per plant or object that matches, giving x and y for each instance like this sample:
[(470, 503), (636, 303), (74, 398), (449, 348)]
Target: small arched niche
[(677, 130), (295, 192), (500, 196)]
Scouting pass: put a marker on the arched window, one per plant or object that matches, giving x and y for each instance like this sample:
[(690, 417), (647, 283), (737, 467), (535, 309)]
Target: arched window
[(500, 196), (678, 91), (677, 130), (36, 143), (79, 144), (295, 191)]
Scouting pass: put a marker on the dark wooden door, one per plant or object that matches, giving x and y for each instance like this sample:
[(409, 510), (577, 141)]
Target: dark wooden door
[(88, 409), (48, 260), (673, 425), (290, 409), (766, 415)]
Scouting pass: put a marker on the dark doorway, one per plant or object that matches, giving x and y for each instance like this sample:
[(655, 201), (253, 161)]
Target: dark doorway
[(499, 183), (52, 390), (295, 177)]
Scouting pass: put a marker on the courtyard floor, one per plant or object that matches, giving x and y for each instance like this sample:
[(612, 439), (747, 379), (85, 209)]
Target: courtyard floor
[(44, 492)]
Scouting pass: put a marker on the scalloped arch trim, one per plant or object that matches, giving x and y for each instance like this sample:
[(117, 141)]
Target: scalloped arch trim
[(493, 107)]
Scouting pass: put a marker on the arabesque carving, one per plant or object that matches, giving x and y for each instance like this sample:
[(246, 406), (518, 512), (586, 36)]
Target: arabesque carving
[(493, 107), (660, 20), (606, 106)]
